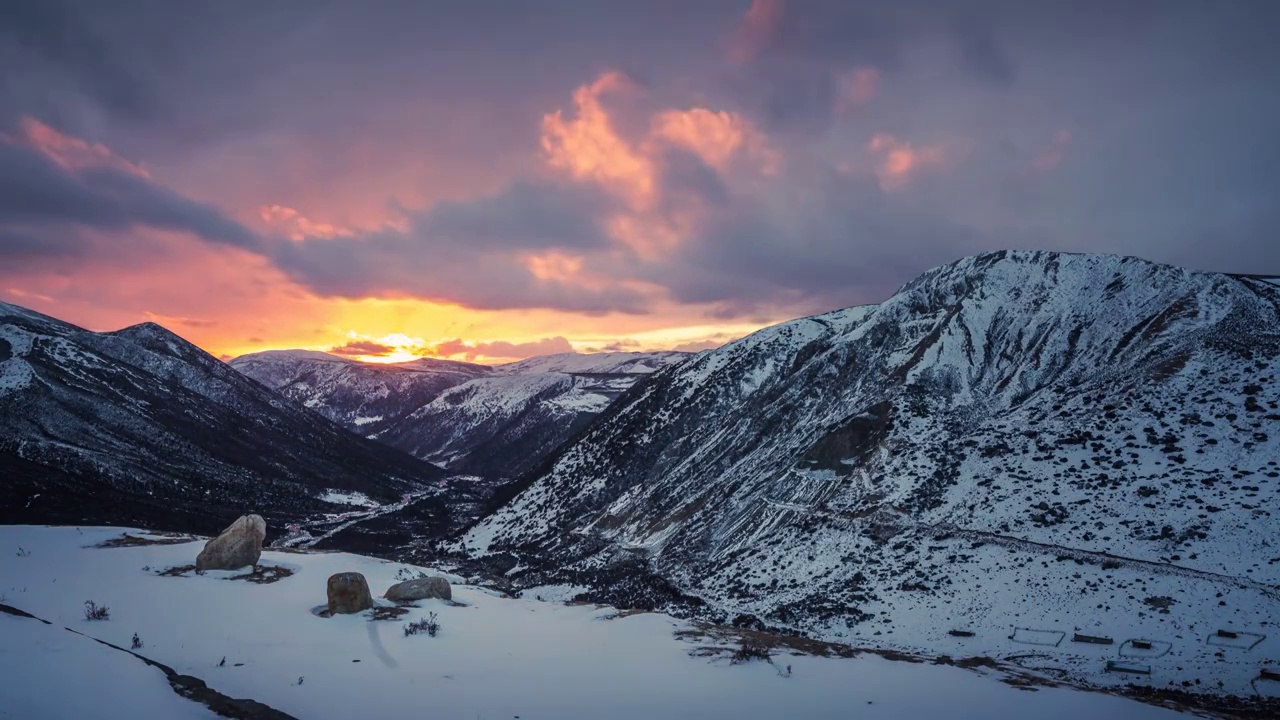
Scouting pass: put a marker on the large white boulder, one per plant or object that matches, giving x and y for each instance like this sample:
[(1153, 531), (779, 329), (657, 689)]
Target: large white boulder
[(240, 545), (420, 589)]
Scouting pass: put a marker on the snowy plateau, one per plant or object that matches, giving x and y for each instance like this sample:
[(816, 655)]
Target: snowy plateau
[(494, 657)]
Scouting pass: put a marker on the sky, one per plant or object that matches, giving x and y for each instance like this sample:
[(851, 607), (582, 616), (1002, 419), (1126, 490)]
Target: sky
[(495, 179)]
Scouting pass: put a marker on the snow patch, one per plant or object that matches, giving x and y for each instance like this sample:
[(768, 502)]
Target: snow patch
[(343, 497), (495, 657)]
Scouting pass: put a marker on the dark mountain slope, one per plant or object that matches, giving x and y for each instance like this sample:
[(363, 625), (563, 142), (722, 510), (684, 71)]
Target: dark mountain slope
[(140, 427)]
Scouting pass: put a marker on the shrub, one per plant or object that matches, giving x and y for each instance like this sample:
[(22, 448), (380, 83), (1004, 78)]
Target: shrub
[(429, 625), (137, 642), (94, 611), (23, 552), (749, 650)]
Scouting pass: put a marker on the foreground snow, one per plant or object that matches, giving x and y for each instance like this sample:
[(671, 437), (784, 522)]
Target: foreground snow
[(494, 658), (47, 672)]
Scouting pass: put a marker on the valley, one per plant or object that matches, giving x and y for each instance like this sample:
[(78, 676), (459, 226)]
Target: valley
[(1013, 452)]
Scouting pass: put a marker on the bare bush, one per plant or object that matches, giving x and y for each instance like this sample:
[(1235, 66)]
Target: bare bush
[(429, 625), (94, 611), (137, 642), (749, 650)]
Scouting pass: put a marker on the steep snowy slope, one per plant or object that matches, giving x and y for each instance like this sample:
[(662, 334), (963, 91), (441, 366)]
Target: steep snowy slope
[(1016, 439), (139, 425), (490, 421), (366, 398)]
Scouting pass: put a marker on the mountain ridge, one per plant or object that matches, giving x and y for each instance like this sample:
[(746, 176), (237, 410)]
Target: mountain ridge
[(493, 421), (896, 468), (139, 425)]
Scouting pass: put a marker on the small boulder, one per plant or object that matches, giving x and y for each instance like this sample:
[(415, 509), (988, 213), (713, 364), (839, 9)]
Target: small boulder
[(420, 589), (348, 593), (240, 545)]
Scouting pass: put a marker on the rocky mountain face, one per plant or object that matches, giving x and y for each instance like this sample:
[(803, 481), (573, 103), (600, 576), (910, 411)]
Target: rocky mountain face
[(140, 427), (365, 398), (494, 422), (1018, 439), (501, 425)]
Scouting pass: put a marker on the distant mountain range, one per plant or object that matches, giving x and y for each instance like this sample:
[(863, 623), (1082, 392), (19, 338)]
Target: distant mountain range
[(140, 427), (492, 421)]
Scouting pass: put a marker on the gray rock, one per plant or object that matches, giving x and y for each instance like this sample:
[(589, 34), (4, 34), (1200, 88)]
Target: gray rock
[(420, 589), (349, 593), (240, 545)]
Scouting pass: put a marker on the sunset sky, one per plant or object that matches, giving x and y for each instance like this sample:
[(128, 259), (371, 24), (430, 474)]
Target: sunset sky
[(496, 179)]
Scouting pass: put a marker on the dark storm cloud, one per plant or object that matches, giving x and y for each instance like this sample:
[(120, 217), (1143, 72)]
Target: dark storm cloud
[(51, 51), (472, 253), (18, 245), (42, 203), (683, 174), (525, 215), (792, 76), (1138, 127), (836, 241)]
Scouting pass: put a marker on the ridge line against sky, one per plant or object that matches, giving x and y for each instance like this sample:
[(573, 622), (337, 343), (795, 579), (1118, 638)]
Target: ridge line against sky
[(491, 181)]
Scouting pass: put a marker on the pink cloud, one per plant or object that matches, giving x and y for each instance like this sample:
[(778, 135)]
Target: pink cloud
[(716, 137), (856, 88), (70, 152), (297, 226), (1051, 156), (755, 31), (898, 161), (503, 350), (589, 147), (362, 348)]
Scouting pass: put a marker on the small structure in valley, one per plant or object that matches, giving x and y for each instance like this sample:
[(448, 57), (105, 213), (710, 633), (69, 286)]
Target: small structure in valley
[(1144, 648), (1131, 668), (1032, 636), (1237, 639), (1091, 639)]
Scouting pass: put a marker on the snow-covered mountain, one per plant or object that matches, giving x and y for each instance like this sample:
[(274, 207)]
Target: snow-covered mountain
[(140, 426), (1061, 443), (504, 424), (366, 398), (495, 422)]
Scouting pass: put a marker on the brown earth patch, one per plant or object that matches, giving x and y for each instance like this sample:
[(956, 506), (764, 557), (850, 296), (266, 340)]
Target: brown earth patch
[(127, 540)]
